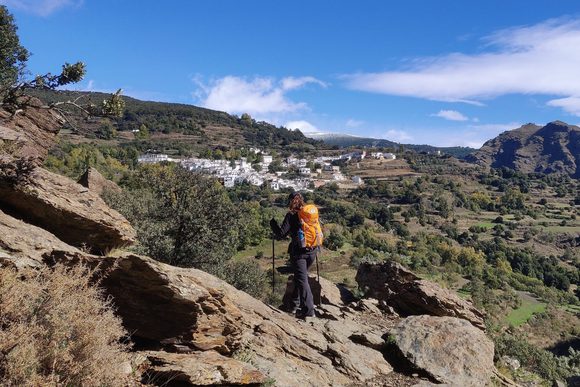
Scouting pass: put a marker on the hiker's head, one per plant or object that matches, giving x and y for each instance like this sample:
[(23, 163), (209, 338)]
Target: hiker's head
[(295, 202)]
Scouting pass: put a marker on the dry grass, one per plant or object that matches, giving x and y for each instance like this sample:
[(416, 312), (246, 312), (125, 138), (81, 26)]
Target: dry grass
[(58, 329)]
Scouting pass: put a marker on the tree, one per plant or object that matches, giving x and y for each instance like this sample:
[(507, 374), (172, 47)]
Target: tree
[(143, 133), (13, 85), (335, 240), (13, 56), (181, 218)]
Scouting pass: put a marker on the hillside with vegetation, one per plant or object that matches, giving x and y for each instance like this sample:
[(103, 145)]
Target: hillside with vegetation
[(345, 141), (115, 272), (175, 128)]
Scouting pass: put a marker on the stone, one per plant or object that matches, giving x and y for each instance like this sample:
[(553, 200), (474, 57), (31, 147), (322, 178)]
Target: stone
[(23, 245), (324, 292), (68, 210), (188, 308), (93, 180), (449, 349), (200, 369), (30, 133), (511, 362), (401, 289)]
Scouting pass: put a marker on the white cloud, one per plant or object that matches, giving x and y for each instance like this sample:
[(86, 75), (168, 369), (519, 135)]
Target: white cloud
[(291, 83), (569, 104), (537, 59), (259, 95), (451, 115), (398, 135), (303, 126), (352, 123), (41, 7)]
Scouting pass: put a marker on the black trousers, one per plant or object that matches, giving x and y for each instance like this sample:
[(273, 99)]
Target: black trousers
[(302, 295)]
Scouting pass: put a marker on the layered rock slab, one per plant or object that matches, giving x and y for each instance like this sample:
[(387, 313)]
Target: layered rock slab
[(70, 211), (190, 310), (449, 349), (30, 133), (323, 292), (24, 245), (93, 180), (200, 369), (401, 289)]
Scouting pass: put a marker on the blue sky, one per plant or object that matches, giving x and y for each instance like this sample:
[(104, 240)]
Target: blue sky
[(437, 72)]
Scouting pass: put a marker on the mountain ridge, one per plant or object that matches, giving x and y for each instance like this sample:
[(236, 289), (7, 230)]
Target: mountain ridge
[(346, 140), (552, 148)]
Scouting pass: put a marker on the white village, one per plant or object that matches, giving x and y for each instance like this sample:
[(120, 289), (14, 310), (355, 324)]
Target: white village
[(295, 173)]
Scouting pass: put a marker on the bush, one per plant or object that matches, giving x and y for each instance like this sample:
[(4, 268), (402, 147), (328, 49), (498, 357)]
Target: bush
[(247, 276), (181, 218), (540, 361), (57, 329)]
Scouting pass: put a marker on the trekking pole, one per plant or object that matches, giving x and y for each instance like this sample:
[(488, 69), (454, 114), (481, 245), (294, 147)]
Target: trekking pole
[(318, 275), (273, 267)]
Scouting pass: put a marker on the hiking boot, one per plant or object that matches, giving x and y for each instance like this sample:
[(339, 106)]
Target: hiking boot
[(304, 315)]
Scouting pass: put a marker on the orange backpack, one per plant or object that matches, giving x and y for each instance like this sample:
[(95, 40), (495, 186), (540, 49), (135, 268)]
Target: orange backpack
[(311, 233)]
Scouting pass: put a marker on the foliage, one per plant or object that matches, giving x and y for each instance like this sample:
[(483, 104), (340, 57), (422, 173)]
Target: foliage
[(168, 118), (13, 56), (537, 360), (334, 240), (246, 276), (58, 329), (73, 159), (181, 218)]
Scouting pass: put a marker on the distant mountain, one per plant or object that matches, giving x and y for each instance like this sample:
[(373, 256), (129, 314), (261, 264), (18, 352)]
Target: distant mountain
[(347, 140), (554, 148)]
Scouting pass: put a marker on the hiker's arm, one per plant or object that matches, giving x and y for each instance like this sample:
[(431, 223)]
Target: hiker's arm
[(281, 232)]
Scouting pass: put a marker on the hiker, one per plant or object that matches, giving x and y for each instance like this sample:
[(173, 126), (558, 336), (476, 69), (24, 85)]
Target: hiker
[(304, 246)]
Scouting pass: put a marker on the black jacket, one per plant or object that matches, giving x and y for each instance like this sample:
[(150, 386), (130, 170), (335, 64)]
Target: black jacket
[(290, 226)]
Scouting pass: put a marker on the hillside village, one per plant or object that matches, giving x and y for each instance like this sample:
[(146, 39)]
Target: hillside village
[(295, 173)]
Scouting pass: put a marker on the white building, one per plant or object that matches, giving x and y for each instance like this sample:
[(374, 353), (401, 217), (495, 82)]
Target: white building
[(390, 156), (229, 181), (153, 158), (305, 171), (267, 159), (357, 180)]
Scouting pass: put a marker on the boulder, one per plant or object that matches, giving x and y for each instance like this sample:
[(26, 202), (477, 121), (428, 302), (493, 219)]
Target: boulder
[(188, 310), (401, 289), (93, 180), (30, 133), (449, 349), (324, 292), (199, 369), (68, 210), (24, 245)]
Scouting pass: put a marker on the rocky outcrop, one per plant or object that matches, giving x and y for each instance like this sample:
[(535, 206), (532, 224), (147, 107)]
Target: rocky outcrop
[(323, 291), (24, 245), (190, 311), (93, 180), (449, 349), (553, 148), (70, 211), (401, 289), (200, 369), (30, 133)]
